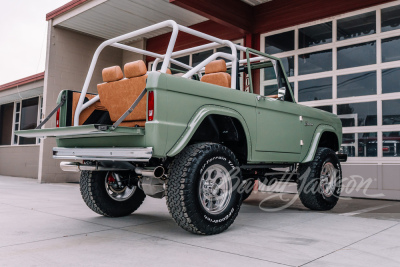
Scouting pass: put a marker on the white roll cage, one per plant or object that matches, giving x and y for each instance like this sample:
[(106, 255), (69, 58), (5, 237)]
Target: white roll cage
[(167, 58)]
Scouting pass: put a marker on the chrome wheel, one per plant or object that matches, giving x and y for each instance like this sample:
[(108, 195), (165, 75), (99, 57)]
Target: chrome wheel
[(215, 189), (328, 179), (116, 189)]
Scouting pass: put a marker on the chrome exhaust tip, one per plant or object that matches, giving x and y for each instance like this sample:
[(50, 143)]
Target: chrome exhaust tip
[(69, 166), (157, 172)]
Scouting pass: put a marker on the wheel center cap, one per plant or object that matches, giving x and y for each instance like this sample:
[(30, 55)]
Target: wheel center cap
[(214, 190)]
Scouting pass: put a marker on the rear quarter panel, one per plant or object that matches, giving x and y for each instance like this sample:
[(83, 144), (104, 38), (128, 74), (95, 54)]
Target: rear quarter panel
[(178, 99)]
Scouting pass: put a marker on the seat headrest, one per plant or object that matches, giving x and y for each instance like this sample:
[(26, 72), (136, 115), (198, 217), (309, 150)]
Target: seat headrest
[(135, 69), (112, 74), (216, 66)]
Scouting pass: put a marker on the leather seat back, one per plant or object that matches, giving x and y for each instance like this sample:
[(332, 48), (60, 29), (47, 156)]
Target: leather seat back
[(215, 73), (118, 95)]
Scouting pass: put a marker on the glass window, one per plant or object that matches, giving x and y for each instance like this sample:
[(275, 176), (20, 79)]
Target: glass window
[(6, 123), (315, 62), (271, 90), (325, 108), (356, 26), (184, 59), (288, 65), (199, 57), (391, 144), (391, 112), (315, 35), (272, 82), (358, 114), (292, 86), (391, 80), (278, 43), (356, 84), (390, 18), (360, 145), (269, 73), (390, 49), (317, 89), (29, 115), (356, 55)]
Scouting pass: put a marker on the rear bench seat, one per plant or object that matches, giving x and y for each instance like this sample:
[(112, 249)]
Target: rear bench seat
[(118, 94), (215, 73)]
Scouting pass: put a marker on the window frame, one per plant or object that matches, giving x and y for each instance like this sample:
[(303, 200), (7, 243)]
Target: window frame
[(379, 66), (39, 116)]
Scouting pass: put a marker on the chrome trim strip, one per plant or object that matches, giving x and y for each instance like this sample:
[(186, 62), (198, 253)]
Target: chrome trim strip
[(142, 154)]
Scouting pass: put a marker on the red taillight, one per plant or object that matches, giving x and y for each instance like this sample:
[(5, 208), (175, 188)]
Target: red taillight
[(386, 149), (58, 118), (150, 106)]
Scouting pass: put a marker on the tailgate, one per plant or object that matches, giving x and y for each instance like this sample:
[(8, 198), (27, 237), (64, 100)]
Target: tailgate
[(82, 131)]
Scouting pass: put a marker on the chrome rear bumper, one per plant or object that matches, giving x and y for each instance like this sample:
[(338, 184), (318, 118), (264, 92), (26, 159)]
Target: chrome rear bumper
[(142, 154)]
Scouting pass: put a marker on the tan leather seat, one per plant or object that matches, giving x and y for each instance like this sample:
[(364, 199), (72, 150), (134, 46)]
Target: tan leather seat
[(85, 114), (216, 74), (118, 95)]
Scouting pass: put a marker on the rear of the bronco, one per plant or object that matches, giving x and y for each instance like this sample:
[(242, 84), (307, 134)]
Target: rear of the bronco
[(195, 137), (131, 143)]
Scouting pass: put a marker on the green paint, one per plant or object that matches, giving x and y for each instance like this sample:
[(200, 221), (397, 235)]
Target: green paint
[(274, 129)]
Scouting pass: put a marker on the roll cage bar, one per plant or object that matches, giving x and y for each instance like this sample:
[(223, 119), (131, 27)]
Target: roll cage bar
[(167, 57)]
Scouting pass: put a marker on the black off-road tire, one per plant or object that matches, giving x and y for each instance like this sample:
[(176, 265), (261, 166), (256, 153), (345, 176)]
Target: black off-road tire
[(93, 191), (308, 184), (183, 198)]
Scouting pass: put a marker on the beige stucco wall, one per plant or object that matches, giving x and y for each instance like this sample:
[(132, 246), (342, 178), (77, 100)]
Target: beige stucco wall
[(69, 56), (19, 161)]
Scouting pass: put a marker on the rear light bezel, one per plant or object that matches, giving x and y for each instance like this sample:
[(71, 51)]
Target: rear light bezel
[(58, 118), (150, 106)]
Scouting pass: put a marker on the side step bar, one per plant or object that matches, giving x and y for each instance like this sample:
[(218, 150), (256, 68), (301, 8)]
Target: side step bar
[(142, 154)]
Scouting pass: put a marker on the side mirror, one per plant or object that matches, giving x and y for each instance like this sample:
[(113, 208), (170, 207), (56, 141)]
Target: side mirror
[(281, 93)]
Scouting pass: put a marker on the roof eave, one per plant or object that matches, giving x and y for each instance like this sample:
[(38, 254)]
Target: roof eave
[(26, 80), (65, 8)]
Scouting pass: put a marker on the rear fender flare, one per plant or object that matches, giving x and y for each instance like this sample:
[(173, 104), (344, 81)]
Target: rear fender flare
[(198, 118)]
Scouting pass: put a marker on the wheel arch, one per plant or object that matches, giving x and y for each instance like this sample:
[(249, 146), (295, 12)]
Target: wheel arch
[(324, 136), (201, 116)]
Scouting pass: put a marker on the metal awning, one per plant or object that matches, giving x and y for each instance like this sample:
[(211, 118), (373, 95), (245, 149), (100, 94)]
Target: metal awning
[(109, 18)]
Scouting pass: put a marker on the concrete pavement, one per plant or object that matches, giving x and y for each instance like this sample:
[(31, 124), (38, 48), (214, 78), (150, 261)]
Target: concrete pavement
[(50, 225)]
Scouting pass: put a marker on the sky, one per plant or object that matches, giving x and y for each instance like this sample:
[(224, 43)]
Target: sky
[(23, 36)]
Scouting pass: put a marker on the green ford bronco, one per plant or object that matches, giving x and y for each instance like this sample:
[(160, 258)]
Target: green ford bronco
[(200, 136)]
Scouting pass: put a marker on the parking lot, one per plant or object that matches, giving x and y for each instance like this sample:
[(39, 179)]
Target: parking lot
[(49, 224)]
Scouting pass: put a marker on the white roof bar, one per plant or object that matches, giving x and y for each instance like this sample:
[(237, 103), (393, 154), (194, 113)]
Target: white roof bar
[(165, 58)]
